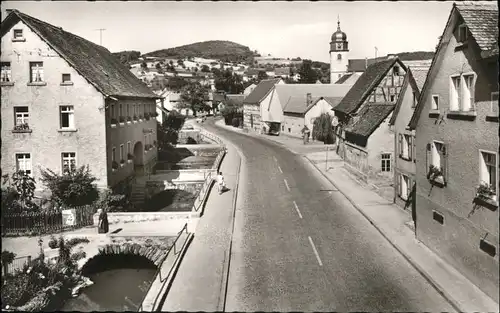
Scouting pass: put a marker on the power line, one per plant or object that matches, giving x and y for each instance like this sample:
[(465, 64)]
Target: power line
[(100, 34)]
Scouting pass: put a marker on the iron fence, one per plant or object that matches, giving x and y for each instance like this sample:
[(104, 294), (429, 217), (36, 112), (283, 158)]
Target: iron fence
[(170, 257), (16, 265), (46, 222)]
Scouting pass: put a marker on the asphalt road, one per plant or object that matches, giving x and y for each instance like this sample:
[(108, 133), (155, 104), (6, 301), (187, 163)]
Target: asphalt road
[(299, 247)]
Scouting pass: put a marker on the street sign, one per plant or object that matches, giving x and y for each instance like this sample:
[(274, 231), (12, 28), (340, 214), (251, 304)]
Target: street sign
[(69, 217), (335, 121)]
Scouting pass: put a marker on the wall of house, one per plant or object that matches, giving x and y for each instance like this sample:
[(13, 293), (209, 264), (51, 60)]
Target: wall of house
[(381, 141), (356, 160), (458, 239), (270, 107), (46, 142), (293, 124), (321, 107), (133, 132), (250, 111)]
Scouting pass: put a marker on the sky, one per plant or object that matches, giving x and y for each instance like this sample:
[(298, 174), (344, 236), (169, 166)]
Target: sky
[(282, 29)]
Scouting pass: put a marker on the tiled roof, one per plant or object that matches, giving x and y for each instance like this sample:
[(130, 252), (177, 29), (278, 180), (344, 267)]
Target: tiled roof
[(333, 101), (262, 89), (95, 63), (370, 118), (298, 104), (282, 71), (419, 74), (364, 85), (285, 92), (342, 79), (236, 99), (400, 101), (359, 65), (482, 20)]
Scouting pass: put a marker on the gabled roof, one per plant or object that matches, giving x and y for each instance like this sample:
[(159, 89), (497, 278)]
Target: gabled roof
[(365, 84), (285, 92), (359, 65), (298, 104), (419, 74), (342, 79), (369, 119), (95, 63), (261, 91), (333, 101), (479, 18)]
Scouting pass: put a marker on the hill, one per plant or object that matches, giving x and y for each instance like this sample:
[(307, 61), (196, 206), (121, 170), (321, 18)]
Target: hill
[(416, 55), (127, 56), (226, 51)]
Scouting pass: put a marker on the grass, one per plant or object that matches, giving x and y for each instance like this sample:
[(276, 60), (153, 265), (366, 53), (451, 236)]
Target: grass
[(172, 200)]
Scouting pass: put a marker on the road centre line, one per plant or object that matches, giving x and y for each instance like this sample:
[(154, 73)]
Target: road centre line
[(286, 183), (315, 251), (297, 209), (280, 169)]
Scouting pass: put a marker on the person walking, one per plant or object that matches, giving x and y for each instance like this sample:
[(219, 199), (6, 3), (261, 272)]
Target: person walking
[(103, 225), (221, 183)]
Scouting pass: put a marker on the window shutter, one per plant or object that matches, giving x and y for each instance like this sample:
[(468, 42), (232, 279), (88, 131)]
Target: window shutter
[(414, 149), (444, 161), (399, 185), (410, 147), (400, 142), (428, 158)]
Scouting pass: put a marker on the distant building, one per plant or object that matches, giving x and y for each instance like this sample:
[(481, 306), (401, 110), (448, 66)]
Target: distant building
[(71, 104), (339, 50), (456, 127), (258, 100)]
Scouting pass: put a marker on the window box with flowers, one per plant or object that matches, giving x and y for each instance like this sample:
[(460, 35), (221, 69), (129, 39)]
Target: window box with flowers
[(140, 117), (486, 196), (148, 147), (114, 166), (135, 118), (146, 116), (122, 120), (154, 114), (22, 128), (114, 122), (130, 157), (129, 120), (435, 176), (122, 163)]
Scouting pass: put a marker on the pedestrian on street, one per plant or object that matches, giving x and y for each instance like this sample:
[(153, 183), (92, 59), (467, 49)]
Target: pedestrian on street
[(220, 182), (103, 225)]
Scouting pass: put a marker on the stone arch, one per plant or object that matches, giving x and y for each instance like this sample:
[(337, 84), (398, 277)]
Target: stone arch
[(154, 254)]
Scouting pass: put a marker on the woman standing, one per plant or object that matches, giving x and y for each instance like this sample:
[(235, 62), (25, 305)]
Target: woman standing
[(103, 226)]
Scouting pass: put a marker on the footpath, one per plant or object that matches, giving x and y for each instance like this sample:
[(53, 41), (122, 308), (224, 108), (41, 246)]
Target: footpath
[(392, 222), (199, 284)]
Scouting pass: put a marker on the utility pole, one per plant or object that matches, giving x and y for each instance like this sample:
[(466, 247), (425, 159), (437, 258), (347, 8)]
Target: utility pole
[(100, 35), (376, 52)]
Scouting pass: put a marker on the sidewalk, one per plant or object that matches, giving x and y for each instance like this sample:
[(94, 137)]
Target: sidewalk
[(199, 282), (390, 221)]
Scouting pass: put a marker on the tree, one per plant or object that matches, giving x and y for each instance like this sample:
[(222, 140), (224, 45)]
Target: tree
[(205, 68), (262, 75), (144, 65), (323, 130), (176, 83), (229, 82), (307, 74), (73, 188), (168, 132), (18, 195), (194, 96)]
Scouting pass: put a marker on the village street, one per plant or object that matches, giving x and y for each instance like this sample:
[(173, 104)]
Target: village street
[(298, 245)]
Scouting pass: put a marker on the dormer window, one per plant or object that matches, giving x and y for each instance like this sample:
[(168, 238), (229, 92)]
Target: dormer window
[(463, 33)]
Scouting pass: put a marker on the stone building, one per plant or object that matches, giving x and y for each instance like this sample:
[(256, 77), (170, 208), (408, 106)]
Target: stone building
[(456, 124), (67, 102)]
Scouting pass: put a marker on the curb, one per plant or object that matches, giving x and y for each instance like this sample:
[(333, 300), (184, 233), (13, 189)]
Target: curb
[(227, 256), (441, 290)]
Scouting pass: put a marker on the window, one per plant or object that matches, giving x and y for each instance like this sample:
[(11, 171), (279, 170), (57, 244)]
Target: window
[(395, 70), (121, 109), (128, 109), (414, 103), (437, 157), (67, 117), (113, 154), (393, 98), (36, 72), (23, 162), (455, 93), (462, 33), (404, 188), (339, 56), (468, 92), (122, 157), (494, 103), (68, 162), (488, 169), (405, 146), (5, 75), (112, 111), (21, 115), (66, 78), (282, 127), (339, 46), (18, 33), (435, 102), (129, 146), (386, 162)]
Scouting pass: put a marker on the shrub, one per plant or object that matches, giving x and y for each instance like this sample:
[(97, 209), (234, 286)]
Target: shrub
[(235, 122), (78, 256), (113, 202), (73, 188), (114, 121), (76, 240), (52, 242), (323, 130)]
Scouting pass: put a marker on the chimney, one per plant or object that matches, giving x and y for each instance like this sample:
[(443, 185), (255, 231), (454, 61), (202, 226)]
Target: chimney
[(308, 99)]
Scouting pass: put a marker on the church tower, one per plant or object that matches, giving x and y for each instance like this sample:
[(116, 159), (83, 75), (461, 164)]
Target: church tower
[(338, 54)]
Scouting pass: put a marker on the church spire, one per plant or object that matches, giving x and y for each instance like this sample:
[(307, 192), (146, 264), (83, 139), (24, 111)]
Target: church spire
[(338, 22)]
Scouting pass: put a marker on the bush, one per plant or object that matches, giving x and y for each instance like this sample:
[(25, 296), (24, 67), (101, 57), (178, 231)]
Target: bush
[(78, 256), (77, 240), (235, 122), (53, 243)]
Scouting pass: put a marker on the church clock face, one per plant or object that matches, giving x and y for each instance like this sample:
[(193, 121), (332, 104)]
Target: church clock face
[(339, 56), (339, 46)]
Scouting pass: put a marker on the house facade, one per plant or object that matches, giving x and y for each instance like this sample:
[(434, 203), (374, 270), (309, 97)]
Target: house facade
[(365, 138), (405, 155), (61, 110), (456, 124), (256, 105)]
